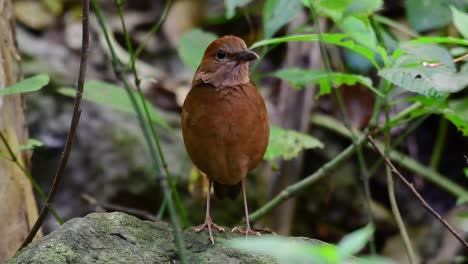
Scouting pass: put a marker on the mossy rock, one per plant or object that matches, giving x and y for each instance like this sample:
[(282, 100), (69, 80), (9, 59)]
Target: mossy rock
[(121, 238)]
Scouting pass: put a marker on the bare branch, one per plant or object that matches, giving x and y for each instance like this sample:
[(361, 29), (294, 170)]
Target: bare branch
[(115, 207), (416, 193), (71, 133)]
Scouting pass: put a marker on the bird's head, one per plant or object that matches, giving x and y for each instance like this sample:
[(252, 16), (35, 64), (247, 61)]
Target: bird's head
[(225, 63)]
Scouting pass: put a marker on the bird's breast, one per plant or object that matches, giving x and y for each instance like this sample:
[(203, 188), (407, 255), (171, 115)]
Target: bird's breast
[(225, 130)]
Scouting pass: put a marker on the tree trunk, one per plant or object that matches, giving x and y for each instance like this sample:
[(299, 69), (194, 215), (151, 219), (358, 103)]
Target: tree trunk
[(18, 209)]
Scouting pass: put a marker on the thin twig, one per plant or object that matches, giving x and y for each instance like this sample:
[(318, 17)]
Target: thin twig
[(115, 207), (341, 105), (13, 158), (437, 64), (71, 133), (293, 189), (391, 189), (154, 133), (416, 193), (401, 159), (161, 176)]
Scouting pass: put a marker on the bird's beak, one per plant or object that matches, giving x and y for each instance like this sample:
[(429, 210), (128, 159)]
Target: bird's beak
[(247, 55)]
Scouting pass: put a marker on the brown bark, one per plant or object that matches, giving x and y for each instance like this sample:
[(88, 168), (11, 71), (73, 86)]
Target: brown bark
[(17, 205), (294, 108)]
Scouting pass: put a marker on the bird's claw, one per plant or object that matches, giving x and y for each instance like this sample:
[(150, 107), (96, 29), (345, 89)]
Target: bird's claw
[(247, 231), (209, 224)]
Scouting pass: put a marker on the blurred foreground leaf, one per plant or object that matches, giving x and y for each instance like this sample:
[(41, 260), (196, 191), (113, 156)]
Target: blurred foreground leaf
[(288, 143), (31, 84), (354, 242), (192, 46), (110, 95), (286, 250)]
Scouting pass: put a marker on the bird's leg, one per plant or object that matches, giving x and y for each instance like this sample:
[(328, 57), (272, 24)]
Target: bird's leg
[(248, 230), (208, 221)]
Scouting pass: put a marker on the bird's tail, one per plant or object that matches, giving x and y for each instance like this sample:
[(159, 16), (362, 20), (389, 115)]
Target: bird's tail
[(230, 191)]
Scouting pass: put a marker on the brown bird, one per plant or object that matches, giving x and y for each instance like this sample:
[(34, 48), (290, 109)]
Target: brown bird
[(225, 123)]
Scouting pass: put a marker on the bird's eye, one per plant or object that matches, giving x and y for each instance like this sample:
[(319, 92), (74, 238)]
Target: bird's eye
[(220, 54)]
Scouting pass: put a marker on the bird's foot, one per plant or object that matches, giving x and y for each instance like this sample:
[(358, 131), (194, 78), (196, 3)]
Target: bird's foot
[(247, 231), (209, 224)]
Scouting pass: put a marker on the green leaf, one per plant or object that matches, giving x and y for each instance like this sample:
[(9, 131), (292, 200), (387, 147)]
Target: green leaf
[(359, 29), (336, 39), (363, 7), (425, 15), (288, 143), (456, 110), (300, 78), (31, 84), (31, 144), (291, 251), (192, 46), (338, 8), (352, 243), (332, 9), (110, 95), (460, 20), (465, 171), (408, 72), (439, 40), (277, 13), (231, 6)]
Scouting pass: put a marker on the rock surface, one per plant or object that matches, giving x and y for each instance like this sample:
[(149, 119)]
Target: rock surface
[(121, 238)]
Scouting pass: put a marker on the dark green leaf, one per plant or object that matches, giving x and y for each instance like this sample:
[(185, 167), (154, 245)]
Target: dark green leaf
[(291, 251), (31, 84), (277, 13), (424, 15), (288, 143), (460, 20), (110, 95), (231, 6), (352, 243), (192, 46), (31, 144), (300, 78)]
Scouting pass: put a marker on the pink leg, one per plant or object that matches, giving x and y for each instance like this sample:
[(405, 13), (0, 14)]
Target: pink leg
[(208, 221), (248, 230)]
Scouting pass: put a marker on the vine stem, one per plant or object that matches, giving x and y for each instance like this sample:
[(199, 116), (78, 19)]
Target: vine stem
[(416, 193), (72, 131), (160, 174), (13, 158), (133, 56)]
